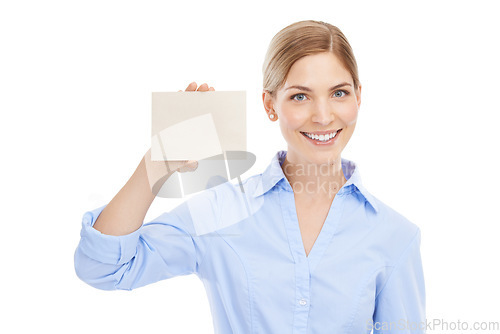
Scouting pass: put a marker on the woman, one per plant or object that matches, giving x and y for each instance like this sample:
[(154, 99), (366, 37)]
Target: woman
[(302, 247)]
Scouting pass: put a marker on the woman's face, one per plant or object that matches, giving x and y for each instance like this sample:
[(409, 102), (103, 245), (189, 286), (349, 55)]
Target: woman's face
[(326, 101)]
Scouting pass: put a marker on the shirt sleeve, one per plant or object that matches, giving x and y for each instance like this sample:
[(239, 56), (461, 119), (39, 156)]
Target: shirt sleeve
[(163, 248), (400, 305)]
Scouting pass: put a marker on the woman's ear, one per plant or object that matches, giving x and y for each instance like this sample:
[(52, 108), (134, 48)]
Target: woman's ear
[(358, 95), (267, 99)]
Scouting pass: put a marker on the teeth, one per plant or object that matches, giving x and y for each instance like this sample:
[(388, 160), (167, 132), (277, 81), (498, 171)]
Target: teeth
[(321, 137)]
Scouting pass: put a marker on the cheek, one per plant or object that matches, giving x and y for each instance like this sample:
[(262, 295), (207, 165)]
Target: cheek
[(348, 114), (292, 118)]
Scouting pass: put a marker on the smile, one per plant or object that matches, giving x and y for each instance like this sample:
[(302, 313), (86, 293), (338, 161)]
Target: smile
[(322, 139)]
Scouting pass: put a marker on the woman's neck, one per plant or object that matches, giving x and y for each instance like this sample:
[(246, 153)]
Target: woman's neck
[(310, 180)]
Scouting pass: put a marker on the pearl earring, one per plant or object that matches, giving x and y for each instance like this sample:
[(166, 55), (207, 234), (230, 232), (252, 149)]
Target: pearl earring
[(271, 116)]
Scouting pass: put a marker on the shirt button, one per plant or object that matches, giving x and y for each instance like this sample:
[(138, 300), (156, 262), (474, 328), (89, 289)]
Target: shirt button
[(303, 302)]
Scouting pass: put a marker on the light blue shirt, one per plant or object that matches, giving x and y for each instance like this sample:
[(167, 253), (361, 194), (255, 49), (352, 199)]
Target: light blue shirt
[(364, 271)]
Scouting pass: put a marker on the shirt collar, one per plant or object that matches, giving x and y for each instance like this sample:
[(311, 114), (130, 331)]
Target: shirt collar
[(273, 175)]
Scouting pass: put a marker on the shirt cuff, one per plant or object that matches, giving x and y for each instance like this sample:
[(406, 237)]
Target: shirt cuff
[(104, 248)]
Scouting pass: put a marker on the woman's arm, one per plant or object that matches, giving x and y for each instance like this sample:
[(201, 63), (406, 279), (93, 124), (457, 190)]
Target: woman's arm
[(116, 251), (126, 211), (401, 302), (163, 248), (124, 254)]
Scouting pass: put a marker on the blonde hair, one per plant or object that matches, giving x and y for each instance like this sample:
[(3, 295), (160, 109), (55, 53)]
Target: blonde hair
[(301, 39)]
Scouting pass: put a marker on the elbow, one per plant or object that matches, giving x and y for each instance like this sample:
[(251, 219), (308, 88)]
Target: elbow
[(98, 275)]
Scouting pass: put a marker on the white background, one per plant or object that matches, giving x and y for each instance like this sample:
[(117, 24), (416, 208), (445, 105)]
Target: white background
[(76, 79)]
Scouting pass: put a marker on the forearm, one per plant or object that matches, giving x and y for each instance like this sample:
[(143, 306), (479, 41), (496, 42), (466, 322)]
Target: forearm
[(125, 213)]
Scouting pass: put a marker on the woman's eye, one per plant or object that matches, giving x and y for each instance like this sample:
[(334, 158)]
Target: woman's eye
[(293, 97), (340, 93), (301, 97)]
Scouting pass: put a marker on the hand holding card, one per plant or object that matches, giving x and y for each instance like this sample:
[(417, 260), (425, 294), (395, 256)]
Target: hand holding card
[(159, 171)]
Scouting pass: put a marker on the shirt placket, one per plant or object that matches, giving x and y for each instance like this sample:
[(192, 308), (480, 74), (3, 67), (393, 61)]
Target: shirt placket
[(302, 272)]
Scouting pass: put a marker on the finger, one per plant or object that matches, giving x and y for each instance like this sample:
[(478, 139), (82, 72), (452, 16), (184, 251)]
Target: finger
[(203, 88), (191, 87), (211, 89), (190, 166), (180, 90)]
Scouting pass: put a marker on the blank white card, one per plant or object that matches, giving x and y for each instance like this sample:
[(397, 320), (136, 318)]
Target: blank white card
[(197, 125)]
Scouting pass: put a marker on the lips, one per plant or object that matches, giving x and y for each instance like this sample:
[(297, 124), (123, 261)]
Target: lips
[(321, 132), (318, 142)]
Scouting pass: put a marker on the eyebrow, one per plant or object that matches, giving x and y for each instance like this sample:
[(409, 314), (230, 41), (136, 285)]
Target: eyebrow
[(307, 89)]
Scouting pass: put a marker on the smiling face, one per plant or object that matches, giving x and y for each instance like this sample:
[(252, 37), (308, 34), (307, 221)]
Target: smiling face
[(326, 101)]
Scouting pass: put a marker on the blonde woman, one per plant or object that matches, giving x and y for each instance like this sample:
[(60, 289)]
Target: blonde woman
[(303, 247)]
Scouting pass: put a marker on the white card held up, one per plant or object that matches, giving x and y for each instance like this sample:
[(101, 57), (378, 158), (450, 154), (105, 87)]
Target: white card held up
[(197, 125), (192, 139)]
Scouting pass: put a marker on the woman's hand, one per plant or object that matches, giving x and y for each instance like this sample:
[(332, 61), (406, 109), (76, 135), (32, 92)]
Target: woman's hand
[(159, 171)]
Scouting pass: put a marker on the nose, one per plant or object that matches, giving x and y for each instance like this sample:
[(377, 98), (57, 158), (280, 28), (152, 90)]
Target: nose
[(323, 113)]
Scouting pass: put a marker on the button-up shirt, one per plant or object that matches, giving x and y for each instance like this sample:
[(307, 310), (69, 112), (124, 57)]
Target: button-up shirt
[(243, 241)]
